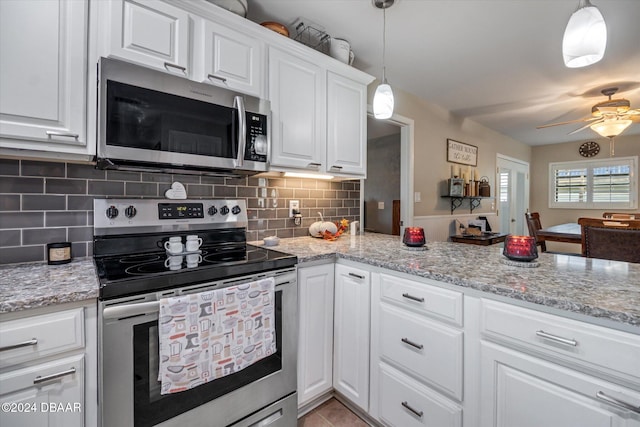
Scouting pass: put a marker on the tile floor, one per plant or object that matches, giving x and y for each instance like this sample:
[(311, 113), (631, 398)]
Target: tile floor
[(331, 414)]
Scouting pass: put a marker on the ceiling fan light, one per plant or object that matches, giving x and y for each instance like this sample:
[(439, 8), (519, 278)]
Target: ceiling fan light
[(611, 128), (383, 102), (585, 38)]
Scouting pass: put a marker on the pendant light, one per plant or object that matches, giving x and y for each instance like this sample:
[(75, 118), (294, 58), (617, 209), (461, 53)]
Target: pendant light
[(585, 37), (383, 98)]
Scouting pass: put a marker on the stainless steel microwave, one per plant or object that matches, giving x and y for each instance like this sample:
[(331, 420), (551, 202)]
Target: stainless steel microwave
[(150, 120)]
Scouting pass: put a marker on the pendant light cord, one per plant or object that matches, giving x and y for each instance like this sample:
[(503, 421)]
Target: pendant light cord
[(384, 44)]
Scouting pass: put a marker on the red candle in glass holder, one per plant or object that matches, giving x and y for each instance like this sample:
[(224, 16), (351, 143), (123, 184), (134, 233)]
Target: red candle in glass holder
[(413, 236), (520, 248)]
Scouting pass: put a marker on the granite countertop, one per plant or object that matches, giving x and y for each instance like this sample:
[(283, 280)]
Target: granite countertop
[(592, 287), (32, 285)]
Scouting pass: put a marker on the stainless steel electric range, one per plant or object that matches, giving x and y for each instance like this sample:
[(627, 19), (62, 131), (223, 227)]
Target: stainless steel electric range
[(145, 250)]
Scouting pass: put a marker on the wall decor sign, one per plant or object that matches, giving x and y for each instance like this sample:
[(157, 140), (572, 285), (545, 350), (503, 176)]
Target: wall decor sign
[(459, 152)]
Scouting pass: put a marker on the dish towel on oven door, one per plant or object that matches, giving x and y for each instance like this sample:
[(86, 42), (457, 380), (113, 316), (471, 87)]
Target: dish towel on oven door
[(209, 335)]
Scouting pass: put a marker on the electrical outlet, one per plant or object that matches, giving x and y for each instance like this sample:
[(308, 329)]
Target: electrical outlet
[(294, 207)]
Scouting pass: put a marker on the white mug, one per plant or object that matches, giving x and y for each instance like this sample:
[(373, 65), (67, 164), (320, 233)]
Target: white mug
[(193, 243), (173, 262), (340, 49), (193, 260), (174, 245)]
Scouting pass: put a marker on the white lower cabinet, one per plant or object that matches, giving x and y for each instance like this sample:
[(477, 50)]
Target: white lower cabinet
[(48, 394), (315, 333), (48, 374), (525, 391), (351, 334), (405, 402), (417, 379)]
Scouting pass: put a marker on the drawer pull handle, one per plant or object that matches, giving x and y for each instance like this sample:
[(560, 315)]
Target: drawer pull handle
[(314, 165), (411, 297), (336, 167), (412, 344), (168, 65), (32, 341), (40, 379), (543, 334), (618, 402), (222, 79), (418, 414), (51, 133), (357, 276)]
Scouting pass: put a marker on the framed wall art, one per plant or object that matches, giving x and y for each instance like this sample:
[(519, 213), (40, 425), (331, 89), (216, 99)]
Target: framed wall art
[(459, 152)]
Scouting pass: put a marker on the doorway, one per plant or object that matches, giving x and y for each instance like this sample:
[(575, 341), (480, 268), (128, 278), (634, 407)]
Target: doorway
[(513, 194), (385, 201)]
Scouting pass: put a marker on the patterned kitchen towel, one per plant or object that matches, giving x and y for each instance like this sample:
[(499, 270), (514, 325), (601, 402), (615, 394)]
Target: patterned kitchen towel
[(209, 335)]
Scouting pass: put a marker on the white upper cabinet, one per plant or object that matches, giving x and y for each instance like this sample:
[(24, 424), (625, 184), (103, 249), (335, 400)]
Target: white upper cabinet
[(228, 58), (346, 125), (43, 81), (298, 126), (318, 115), (151, 33)]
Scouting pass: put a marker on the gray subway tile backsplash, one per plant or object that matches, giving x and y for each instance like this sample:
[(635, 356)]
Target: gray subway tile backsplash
[(53, 201)]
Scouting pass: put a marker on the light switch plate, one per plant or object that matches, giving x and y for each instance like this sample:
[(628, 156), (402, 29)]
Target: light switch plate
[(380, 205), (417, 197)]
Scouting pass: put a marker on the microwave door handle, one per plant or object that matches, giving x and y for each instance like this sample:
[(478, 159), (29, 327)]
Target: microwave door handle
[(238, 103)]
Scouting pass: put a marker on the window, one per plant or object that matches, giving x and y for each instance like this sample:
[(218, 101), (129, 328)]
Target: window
[(594, 184)]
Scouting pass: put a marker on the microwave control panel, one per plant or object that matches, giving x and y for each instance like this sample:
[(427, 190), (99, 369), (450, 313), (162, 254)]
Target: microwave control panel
[(257, 145)]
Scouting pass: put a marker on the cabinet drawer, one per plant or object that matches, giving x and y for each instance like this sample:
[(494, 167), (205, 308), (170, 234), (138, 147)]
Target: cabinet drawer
[(433, 301), (429, 351), (406, 403), (30, 338), (47, 394), (614, 351)]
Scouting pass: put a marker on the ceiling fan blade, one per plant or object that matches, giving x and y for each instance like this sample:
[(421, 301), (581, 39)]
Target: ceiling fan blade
[(586, 119), (585, 126)]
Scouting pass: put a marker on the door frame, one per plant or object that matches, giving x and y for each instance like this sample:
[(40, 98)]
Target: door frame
[(406, 126), (500, 158)]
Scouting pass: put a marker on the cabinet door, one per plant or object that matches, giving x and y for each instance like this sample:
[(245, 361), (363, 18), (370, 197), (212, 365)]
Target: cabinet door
[(346, 126), (151, 33), (315, 335), (297, 92), (49, 394), (521, 390), (351, 334), (231, 59), (43, 74)]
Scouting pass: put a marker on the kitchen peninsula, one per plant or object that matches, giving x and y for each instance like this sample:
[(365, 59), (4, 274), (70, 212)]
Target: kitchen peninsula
[(468, 315)]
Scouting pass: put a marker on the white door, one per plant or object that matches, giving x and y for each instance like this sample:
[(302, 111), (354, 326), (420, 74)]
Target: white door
[(297, 91), (351, 334), (43, 75), (346, 125), (315, 334), (512, 194)]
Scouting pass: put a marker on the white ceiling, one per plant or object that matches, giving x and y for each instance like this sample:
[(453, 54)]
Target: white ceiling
[(497, 62)]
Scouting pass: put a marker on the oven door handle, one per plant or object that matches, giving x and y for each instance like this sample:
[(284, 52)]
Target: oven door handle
[(128, 310)]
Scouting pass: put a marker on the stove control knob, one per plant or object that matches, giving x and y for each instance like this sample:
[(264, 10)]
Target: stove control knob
[(224, 210), (112, 212), (212, 210), (130, 211), (236, 210)]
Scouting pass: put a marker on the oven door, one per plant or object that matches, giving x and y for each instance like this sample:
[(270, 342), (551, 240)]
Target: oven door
[(130, 391)]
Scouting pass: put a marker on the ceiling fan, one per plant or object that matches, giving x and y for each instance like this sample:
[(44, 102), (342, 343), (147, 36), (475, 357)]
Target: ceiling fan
[(608, 118)]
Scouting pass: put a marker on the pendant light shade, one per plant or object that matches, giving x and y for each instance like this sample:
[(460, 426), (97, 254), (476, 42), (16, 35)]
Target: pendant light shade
[(585, 37), (383, 101), (611, 127)]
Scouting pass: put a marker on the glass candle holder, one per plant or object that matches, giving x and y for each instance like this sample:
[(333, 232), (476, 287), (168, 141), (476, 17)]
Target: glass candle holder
[(520, 248), (413, 236)]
